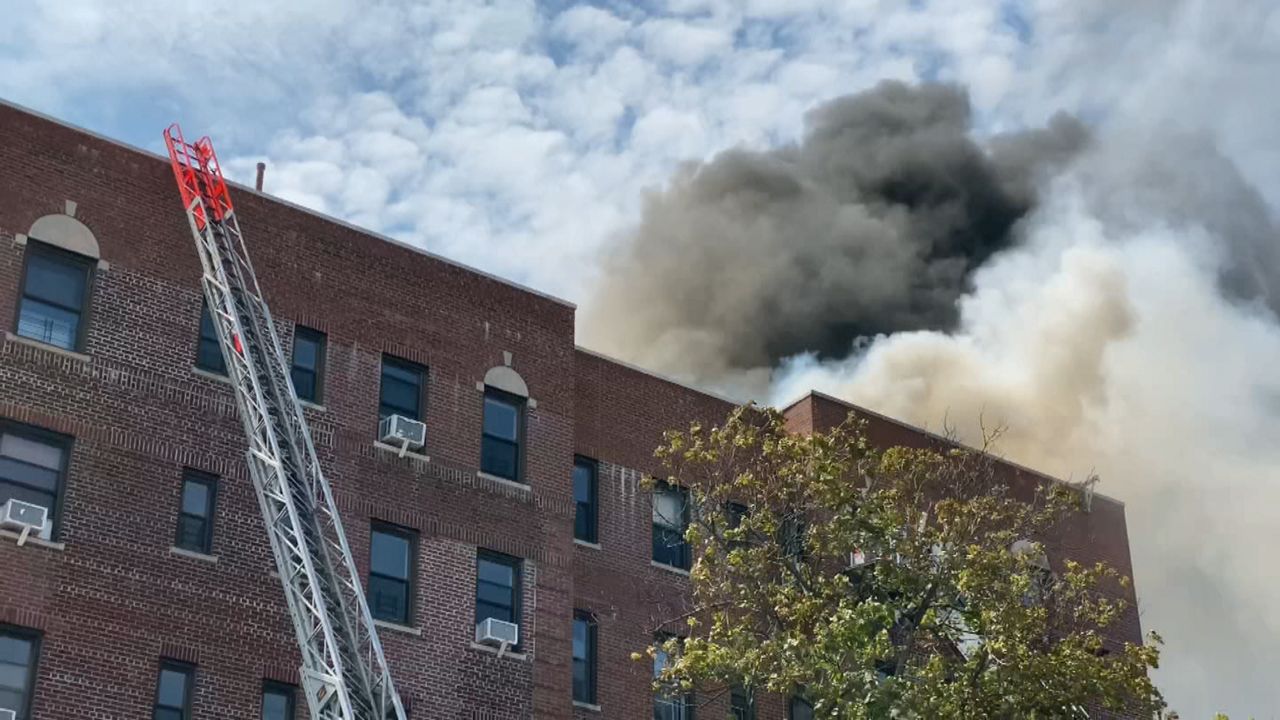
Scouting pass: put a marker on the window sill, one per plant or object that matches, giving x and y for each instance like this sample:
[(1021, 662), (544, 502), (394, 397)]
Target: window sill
[(397, 627), (33, 540), (518, 656), (586, 706), (313, 406), (11, 337), (587, 544), (193, 554), (501, 480), (211, 375), (396, 451), (669, 568)]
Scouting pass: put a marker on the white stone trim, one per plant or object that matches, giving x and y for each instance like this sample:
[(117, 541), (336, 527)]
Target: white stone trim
[(11, 337), (193, 554), (397, 627)]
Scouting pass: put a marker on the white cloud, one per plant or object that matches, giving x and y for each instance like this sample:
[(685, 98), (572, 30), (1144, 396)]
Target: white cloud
[(685, 43)]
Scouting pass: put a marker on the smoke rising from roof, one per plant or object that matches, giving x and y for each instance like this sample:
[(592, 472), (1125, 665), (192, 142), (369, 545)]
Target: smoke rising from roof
[(871, 224), (1119, 317)]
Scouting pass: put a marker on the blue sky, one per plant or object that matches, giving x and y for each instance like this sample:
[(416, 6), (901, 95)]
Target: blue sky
[(490, 132), (521, 138)]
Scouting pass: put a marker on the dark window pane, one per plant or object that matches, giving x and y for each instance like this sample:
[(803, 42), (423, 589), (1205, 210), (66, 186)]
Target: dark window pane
[(32, 476), (277, 703), (14, 650), (584, 495), (192, 533), (209, 353), (391, 559), (583, 475), (800, 709), (399, 370), (584, 660), (390, 555), (401, 389), (304, 383), (485, 611), (497, 588), (32, 451), (308, 362), (495, 572), (31, 470), (741, 705), (306, 351), (389, 599), (56, 280), (168, 714), (49, 324), (492, 594), (501, 418), (670, 519), (195, 498), (499, 457), (172, 691), (17, 666)]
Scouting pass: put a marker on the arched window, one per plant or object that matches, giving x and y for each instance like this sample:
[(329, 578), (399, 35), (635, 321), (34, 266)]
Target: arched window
[(57, 280), (501, 445)]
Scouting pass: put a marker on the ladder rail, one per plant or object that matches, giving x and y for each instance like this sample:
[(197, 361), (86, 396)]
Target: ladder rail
[(344, 670)]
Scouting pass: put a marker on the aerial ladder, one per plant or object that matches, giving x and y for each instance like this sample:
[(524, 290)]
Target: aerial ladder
[(344, 673)]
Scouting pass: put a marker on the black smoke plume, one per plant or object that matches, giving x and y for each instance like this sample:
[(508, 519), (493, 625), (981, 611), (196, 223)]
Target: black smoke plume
[(871, 224)]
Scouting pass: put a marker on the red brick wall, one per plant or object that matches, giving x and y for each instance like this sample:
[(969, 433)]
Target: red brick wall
[(116, 599), (1097, 536)]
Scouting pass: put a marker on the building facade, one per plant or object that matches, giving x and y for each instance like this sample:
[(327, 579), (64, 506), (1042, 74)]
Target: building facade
[(151, 591)]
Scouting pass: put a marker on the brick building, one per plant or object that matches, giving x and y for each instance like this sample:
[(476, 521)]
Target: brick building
[(152, 589)]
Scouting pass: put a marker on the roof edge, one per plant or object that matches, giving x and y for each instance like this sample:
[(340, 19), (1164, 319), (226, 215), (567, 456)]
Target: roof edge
[(294, 206), (929, 433), (658, 376)]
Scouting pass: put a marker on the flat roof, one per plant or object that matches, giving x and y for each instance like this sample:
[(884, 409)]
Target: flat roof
[(294, 206), (934, 435)]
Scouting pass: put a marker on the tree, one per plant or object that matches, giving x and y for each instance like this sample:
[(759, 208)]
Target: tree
[(900, 582)]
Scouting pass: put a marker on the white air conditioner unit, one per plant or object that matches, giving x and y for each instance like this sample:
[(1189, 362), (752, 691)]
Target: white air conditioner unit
[(501, 633), (402, 431), (8, 714), (25, 517)]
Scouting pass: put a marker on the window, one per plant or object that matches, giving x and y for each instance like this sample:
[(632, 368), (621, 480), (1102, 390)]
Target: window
[(669, 705), (670, 520), (500, 446), (54, 290), (742, 704), (32, 469), (209, 352), (799, 709), (584, 496), (791, 537), (277, 701), (391, 570), (734, 514), (497, 587), (401, 392), (18, 652), (195, 513), (173, 692), (584, 658), (308, 364)]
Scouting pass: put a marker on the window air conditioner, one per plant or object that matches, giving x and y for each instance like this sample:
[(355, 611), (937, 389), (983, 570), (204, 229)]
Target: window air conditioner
[(492, 631), (400, 430), (25, 517)]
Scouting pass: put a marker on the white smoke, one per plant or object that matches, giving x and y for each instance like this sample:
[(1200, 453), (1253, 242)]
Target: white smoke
[(1110, 341)]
